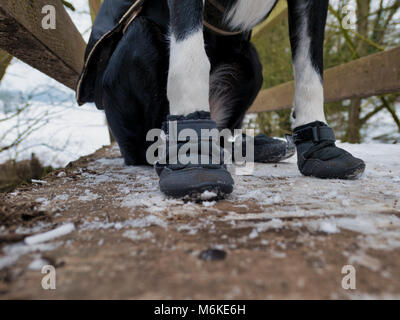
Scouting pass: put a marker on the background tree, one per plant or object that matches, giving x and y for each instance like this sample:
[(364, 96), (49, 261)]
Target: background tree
[(5, 60)]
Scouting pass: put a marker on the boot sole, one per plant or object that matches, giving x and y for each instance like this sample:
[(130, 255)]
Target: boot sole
[(192, 183), (276, 154), (354, 173)]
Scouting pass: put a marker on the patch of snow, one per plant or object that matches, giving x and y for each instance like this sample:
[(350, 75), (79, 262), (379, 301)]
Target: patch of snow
[(208, 195), (209, 204), (37, 264), (136, 235), (89, 196), (38, 181), (147, 221), (253, 234), (328, 227), (50, 235), (15, 251), (61, 197), (40, 226)]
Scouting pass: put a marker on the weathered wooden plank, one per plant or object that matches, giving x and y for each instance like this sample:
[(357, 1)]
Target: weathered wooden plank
[(279, 12), (58, 53), (372, 75)]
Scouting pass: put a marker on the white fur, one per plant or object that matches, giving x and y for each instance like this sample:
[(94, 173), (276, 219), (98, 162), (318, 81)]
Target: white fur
[(246, 14), (309, 91), (189, 75)]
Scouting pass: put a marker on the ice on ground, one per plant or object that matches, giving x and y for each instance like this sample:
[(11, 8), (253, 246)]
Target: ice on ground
[(136, 235), (89, 196), (147, 221), (50, 235), (15, 251), (208, 195), (37, 264), (328, 227)]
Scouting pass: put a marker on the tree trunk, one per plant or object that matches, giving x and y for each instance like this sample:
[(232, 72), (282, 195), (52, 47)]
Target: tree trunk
[(354, 122), (5, 60), (354, 125)]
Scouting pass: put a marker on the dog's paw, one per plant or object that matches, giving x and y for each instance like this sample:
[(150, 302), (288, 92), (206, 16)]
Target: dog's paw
[(319, 157)]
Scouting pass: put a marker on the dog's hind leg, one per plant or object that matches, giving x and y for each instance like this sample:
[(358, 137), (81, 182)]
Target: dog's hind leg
[(189, 70), (317, 153), (234, 85)]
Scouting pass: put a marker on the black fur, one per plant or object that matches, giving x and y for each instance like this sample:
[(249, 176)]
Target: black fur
[(135, 81), (185, 17), (315, 12)]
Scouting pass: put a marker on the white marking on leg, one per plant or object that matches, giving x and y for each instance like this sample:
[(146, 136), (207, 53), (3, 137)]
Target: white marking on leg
[(309, 91), (246, 14), (189, 75)]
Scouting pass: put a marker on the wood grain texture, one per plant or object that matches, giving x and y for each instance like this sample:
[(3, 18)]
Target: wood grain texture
[(369, 76), (58, 53)]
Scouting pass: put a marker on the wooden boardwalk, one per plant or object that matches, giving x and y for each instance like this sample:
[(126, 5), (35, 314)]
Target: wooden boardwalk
[(280, 235)]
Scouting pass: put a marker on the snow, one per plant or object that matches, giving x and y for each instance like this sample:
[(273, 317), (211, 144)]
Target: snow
[(149, 220), (50, 235), (89, 196), (136, 235), (37, 264), (38, 181), (207, 195), (328, 227), (71, 131), (15, 251)]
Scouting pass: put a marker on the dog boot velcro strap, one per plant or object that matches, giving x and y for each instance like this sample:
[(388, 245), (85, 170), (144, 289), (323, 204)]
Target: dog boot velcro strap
[(267, 149), (318, 155), (193, 160), (315, 134)]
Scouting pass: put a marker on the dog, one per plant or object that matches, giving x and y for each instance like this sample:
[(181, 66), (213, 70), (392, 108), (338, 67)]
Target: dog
[(151, 62)]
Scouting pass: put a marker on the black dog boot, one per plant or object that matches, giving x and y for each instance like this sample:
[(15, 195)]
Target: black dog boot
[(202, 177), (319, 157), (269, 150)]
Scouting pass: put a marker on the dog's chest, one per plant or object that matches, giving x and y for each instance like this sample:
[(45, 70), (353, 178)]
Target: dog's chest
[(237, 15)]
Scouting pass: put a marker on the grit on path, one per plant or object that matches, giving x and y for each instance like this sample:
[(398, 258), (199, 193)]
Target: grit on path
[(280, 235)]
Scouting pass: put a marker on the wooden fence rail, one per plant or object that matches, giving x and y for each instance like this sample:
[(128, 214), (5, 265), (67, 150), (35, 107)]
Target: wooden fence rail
[(369, 76), (57, 53)]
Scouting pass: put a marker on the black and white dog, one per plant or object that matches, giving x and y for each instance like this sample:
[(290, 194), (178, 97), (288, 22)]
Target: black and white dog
[(191, 62)]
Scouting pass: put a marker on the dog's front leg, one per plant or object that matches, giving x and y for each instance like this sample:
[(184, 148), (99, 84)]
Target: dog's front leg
[(307, 25), (190, 169), (189, 70), (315, 141)]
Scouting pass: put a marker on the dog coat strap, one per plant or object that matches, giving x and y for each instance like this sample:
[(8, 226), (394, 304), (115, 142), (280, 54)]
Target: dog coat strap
[(214, 18)]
